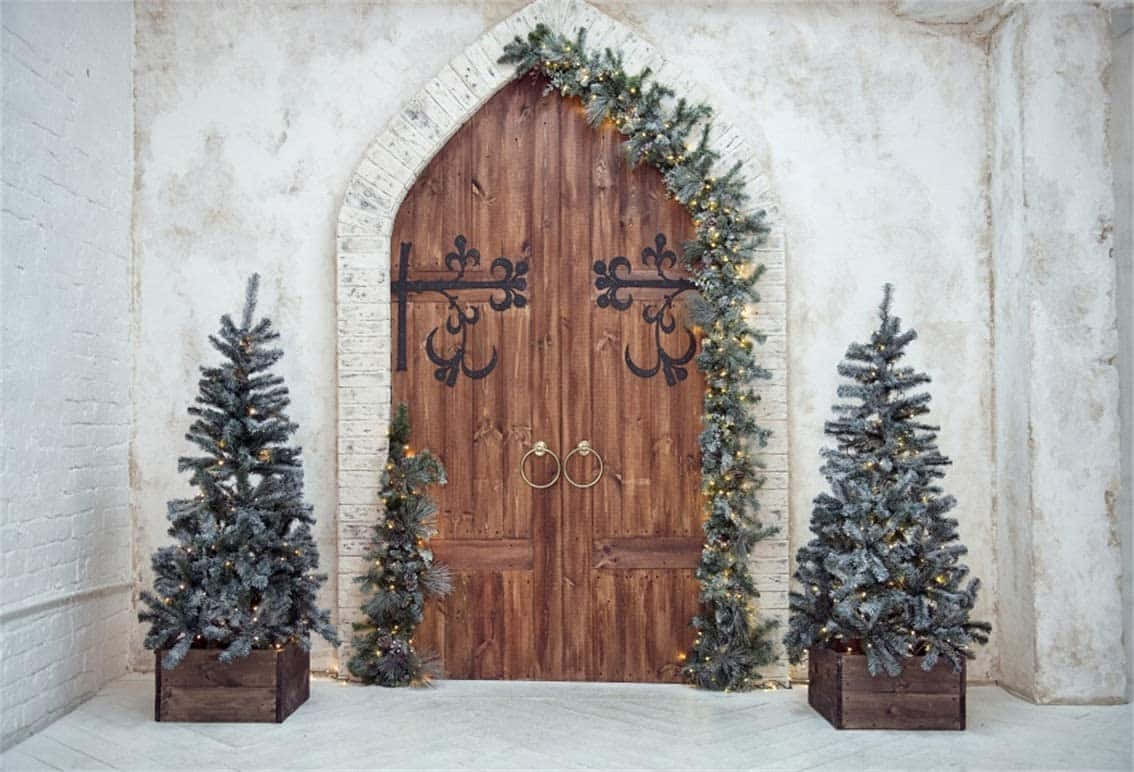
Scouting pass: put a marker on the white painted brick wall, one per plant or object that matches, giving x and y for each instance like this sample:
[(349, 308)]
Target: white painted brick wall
[(65, 356)]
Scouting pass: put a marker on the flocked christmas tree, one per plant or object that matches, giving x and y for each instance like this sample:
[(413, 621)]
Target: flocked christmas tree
[(401, 573), (242, 575), (882, 577)]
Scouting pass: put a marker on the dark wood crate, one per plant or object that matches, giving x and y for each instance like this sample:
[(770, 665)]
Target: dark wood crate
[(841, 689), (266, 686)]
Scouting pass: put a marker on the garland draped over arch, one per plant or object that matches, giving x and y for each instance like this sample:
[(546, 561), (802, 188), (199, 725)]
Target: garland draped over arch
[(672, 135)]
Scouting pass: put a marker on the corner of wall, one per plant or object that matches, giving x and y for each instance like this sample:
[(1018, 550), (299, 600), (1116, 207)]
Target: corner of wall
[(1011, 364), (1055, 339), (1120, 136), (136, 659)]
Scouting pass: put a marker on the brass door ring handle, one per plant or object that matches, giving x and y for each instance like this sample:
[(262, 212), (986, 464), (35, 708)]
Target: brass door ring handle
[(540, 449), (583, 449)]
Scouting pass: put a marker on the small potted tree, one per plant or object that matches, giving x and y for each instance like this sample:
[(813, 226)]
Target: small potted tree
[(233, 605), (401, 574), (882, 603)]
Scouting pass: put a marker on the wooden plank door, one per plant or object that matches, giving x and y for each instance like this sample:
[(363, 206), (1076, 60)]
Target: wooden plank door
[(633, 539), (508, 346), (496, 534)]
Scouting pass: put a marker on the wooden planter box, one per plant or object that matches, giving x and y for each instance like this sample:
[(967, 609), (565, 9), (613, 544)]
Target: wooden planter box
[(267, 685), (842, 690)]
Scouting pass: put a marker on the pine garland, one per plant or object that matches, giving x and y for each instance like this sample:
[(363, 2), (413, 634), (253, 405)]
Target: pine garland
[(673, 136), (400, 571)]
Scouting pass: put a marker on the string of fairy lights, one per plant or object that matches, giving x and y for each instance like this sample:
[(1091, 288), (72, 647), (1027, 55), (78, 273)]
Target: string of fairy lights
[(673, 135)]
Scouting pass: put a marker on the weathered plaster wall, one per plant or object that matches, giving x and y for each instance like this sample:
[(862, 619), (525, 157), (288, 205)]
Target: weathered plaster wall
[(1057, 428), (950, 157), (64, 357), (250, 121), (1122, 161), (1016, 603)]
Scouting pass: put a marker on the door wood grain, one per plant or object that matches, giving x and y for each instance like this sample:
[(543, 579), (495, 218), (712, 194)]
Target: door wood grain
[(563, 583)]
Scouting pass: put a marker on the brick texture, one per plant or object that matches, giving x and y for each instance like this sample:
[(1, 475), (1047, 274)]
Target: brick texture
[(67, 177), (373, 195)]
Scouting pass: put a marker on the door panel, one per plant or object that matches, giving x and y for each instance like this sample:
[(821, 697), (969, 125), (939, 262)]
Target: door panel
[(560, 583), (642, 591)]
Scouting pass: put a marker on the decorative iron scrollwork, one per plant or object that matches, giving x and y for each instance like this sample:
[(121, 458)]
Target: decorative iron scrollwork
[(609, 283), (508, 279)]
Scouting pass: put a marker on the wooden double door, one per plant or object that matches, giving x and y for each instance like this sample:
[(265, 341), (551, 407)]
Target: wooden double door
[(538, 297)]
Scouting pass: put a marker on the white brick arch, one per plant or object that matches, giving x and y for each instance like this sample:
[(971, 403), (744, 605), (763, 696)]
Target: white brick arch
[(365, 224)]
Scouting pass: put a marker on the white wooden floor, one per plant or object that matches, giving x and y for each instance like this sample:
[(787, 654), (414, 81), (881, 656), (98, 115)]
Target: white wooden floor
[(539, 725)]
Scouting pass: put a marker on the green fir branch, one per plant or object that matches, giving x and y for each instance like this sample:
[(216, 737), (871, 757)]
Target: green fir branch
[(401, 573)]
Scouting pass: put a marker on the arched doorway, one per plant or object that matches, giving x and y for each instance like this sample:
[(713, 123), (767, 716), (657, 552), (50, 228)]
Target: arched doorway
[(364, 243)]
